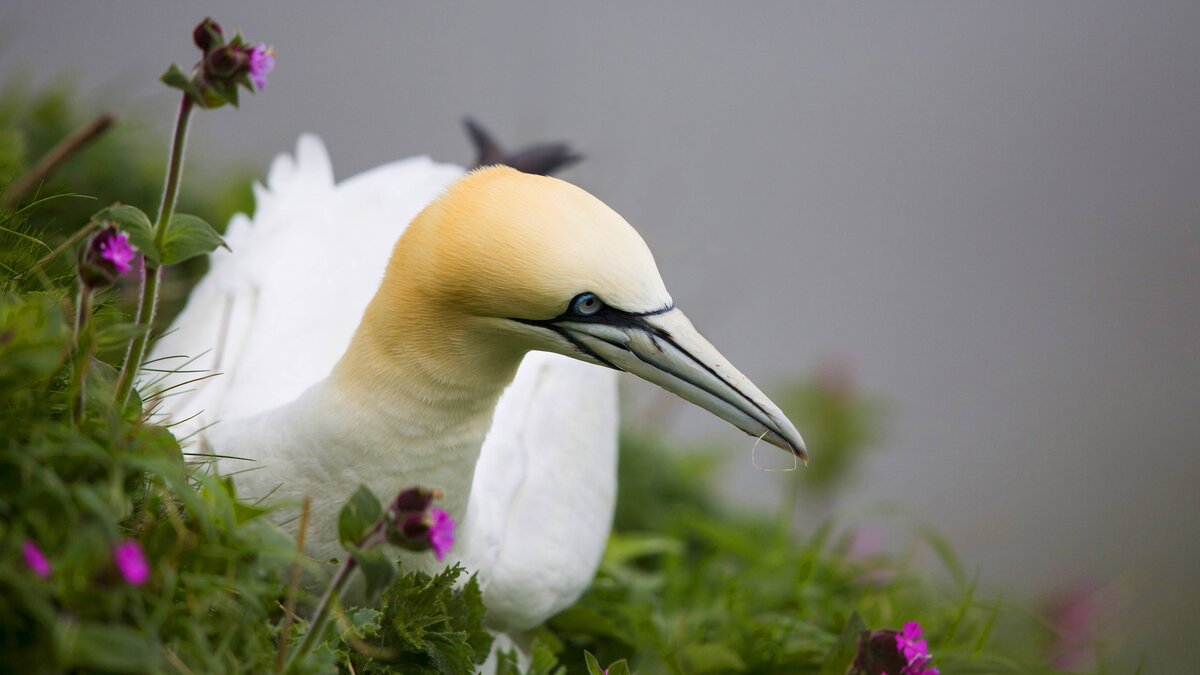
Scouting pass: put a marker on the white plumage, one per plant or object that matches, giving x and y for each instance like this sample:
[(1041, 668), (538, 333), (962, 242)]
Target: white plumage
[(276, 312)]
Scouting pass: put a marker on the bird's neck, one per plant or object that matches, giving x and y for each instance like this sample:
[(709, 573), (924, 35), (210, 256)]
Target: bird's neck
[(421, 384)]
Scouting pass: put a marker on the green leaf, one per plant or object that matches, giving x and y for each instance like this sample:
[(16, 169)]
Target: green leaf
[(543, 660), (358, 515), (839, 658), (377, 567), (97, 646), (187, 237), (593, 665), (622, 667), (365, 621), (176, 79), (118, 334), (134, 223), (466, 611)]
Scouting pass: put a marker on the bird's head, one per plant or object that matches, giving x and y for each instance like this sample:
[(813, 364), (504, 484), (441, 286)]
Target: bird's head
[(534, 263)]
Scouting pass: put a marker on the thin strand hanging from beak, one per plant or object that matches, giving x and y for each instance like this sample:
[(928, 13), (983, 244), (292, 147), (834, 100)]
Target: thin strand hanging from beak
[(754, 460)]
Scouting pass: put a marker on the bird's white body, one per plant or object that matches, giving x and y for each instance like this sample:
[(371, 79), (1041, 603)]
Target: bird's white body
[(530, 478)]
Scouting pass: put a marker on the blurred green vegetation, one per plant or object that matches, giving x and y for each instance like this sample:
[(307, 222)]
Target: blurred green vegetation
[(122, 165), (688, 584)]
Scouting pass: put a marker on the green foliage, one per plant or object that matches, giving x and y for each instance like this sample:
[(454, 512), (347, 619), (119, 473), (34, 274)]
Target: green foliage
[(710, 590), (78, 491), (125, 165), (426, 624)]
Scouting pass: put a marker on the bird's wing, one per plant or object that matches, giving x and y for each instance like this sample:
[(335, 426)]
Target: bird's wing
[(544, 488), (275, 312)]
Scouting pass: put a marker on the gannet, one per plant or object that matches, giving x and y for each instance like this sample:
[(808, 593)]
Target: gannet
[(419, 324)]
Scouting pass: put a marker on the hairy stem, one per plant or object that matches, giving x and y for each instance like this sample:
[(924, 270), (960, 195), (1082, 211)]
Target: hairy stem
[(153, 273), (83, 314)]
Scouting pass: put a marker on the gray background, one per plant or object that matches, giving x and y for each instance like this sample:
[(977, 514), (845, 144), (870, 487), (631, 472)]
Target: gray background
[(991, 209)]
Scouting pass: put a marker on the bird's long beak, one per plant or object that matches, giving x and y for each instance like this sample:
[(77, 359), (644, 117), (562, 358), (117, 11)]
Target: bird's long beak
[(664, 348)]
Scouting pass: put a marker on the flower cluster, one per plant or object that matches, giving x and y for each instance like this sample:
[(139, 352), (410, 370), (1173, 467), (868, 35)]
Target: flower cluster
[(225, 66), (890, 652), (414, 524)]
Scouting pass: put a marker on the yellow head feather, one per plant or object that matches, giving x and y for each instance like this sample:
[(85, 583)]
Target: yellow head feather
[(501, 244)]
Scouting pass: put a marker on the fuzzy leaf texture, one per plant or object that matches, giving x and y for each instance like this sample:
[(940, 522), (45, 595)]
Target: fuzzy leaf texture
[(188, 237)]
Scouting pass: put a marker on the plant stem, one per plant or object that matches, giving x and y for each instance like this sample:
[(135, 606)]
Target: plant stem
[(289, 610), (83, 314), (152, 273), (376, 536), (83, 232), (321, 614)]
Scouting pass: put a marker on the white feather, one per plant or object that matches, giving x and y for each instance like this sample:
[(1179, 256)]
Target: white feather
[(276, 312)]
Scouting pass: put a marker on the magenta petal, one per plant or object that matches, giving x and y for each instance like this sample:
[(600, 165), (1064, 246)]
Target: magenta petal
[(441, 532), (131, 562), (262, 62), (35, 559), (115, 248)]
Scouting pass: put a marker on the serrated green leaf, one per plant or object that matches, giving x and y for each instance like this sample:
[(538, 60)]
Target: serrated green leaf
[(365, 621), (466, 612), (134, 223), (543, 654), (377, 567), (358, 515), (187, 237), (839, 658)]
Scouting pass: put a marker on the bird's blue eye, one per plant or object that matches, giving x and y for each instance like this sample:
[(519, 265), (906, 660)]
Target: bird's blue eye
[(586, 304)]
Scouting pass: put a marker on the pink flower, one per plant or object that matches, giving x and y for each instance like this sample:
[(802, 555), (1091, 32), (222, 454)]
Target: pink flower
[(113, 246), (890, 652), (914, 650), (131, 562), (441, 532), (1076, 615), (262, 62), (36, 560)]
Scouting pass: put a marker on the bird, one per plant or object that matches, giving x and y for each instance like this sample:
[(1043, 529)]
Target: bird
[(427, 324)]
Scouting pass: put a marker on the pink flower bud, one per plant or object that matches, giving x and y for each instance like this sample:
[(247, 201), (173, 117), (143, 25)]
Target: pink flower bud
[(207, 34)]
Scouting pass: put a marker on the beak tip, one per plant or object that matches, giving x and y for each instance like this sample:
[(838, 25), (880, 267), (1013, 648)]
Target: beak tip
[(802, 453)]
